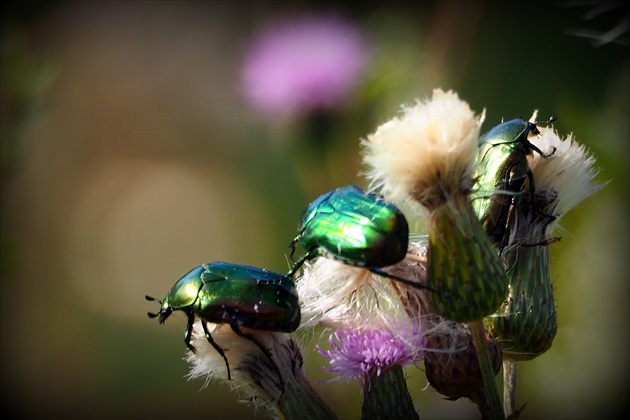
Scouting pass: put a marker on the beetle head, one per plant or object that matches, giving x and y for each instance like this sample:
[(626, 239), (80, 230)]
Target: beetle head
[(182, 295), (165, 309)]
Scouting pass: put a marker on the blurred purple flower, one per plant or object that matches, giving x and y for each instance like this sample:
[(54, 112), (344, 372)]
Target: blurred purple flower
[(303, 64), (361, 355)]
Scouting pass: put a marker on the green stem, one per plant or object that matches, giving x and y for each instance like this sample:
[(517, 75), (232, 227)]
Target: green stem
[(478, 333), (510, 368), (387, 396), (300, 401)]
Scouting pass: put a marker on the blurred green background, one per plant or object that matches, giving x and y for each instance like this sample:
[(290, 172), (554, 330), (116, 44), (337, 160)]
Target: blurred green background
[(129, 156)]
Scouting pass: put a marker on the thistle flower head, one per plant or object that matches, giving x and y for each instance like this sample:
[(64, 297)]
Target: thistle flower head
[(334, 294), (362, 354), (567, 176), (274, 378), (207, 362), (425, 154), (302, 64)]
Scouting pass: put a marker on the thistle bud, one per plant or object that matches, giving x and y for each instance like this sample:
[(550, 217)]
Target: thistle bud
[(427, 155), (274, 379), (526, 323), (452, 369)]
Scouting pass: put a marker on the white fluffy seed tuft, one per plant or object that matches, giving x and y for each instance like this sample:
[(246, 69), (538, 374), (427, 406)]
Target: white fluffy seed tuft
[(427, 153), (569, 172)]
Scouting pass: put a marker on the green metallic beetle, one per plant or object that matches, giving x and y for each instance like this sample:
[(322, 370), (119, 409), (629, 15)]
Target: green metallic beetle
[(356, 228), (353, 226), (239, 295), (502, 169)]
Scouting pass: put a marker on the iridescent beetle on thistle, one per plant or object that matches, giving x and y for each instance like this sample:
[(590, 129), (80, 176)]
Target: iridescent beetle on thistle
[(238, 295), (355, 227), (501, 172)]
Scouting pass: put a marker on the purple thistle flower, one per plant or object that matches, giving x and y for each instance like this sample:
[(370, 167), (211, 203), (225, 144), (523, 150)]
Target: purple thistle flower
[(356, 354), (302, 64)]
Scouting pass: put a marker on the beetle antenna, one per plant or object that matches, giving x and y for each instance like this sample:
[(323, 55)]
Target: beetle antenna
[(152, 299), (549, 121)]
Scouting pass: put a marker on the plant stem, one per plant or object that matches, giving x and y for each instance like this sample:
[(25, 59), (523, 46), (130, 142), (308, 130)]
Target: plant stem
[(300, 401), (478, 333), (510, 368), (387, 396)]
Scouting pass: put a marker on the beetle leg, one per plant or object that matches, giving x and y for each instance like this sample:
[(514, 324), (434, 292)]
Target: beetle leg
[(550, 217), (216, 347), (188, 333), (545, 242), (510, 220), (414, 284), (532, 186), (262, 348), (293, 245), (540, 152), (298, 264)]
